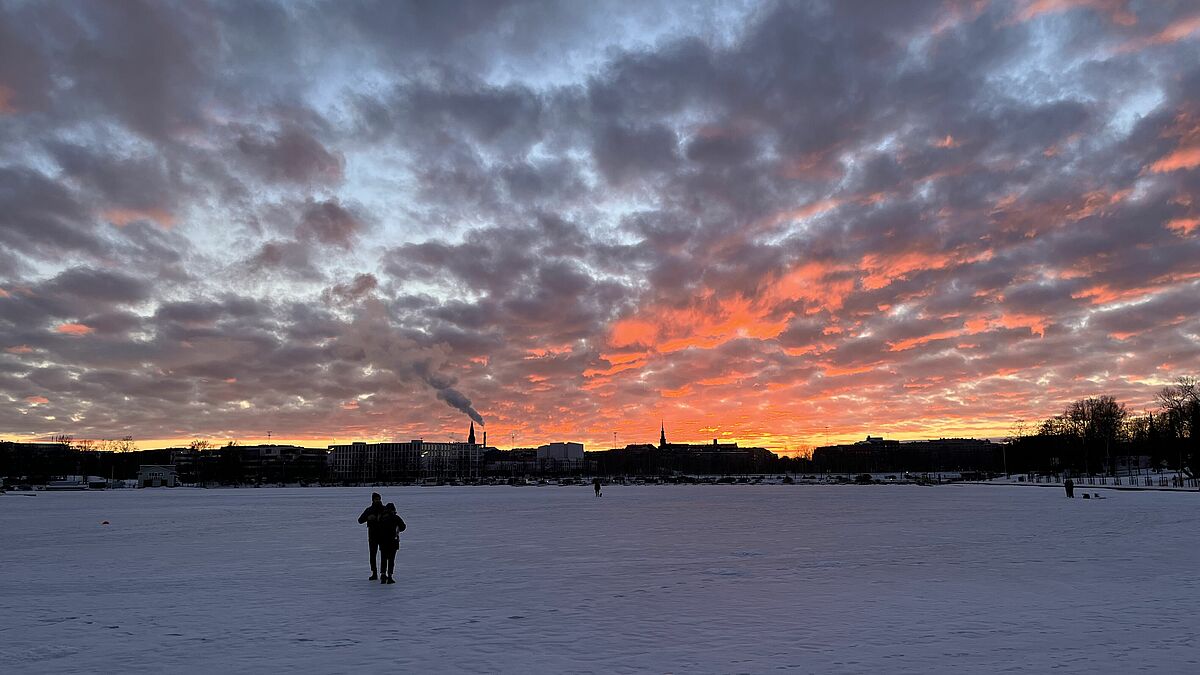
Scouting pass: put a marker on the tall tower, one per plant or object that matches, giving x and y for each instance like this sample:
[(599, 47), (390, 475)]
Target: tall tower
[(471, 436), (662, 435)]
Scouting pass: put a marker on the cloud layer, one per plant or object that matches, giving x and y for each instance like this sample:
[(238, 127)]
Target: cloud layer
[(768, 222)]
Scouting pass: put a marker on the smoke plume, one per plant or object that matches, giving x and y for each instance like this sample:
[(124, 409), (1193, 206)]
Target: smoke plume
[(373, 338)]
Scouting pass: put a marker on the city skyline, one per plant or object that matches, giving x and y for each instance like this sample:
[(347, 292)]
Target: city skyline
[(781, 224)]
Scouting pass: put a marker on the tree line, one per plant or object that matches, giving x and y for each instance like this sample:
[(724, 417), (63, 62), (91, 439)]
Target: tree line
[(1098, 435)]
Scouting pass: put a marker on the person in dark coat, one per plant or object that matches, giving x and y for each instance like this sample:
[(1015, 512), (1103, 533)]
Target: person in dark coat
[(1070, 486), (393, 525), (596, 485), (375, 529)]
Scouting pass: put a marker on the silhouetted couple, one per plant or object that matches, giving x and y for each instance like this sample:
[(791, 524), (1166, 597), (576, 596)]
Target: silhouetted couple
[(1070, 486), (384, 526)]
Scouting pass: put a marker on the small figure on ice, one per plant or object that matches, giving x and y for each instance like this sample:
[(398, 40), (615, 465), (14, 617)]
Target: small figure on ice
[(1070, 486), (376, 530), (392, 525), (596, 485)]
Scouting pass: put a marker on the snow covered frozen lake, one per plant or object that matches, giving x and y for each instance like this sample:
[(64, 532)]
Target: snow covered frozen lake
[(681, 579)]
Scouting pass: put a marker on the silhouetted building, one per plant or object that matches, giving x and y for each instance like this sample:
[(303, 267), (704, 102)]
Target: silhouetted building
[(560, 451), (250, 464), (561, 458), (687, 458), (37, 463), (361, 462), (512, 462), (879, 455), (451, 460), (405, 462)]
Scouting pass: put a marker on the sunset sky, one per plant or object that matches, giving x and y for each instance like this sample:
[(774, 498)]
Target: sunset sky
[(768, 223)]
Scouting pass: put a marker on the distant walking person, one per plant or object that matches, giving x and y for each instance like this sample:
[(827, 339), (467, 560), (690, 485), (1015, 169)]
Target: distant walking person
[(375, 529), (1070, 486), (596, 485), (393, 525)]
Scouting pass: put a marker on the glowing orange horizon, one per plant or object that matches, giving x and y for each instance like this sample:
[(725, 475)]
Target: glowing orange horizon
[(785, 445)]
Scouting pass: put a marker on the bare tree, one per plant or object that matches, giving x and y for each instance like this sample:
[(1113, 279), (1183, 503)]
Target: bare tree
[(1019, 429), (1180, 403), (1096, 419), (1055, 426)]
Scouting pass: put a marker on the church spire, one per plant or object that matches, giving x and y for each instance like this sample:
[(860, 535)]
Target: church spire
[(662, 434), (471, 436)]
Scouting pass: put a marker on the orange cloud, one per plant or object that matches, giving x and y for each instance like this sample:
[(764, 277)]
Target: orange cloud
[(801, 213), (833, 371), (619, 363), (731, 378), (1177, 31), (122, 217), (816, 283), (734, 318), (629, 357), (1096, 201), (1116, 10), (1035, 324), (1102, 294), (881, 269), (73, 329), (20, 349), (632, 332), (947, 142), (707, 323), (1184, 226), (1182, 158), (36, 400), (1180, 30), (807, 350), (913, 342), (544, 352), (685, 390)]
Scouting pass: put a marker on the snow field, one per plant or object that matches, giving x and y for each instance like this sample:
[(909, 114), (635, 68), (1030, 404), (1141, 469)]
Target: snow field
[(677, 579)]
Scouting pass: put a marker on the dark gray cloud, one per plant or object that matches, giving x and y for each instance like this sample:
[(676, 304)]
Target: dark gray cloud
[(370, 220), (330, 223), (39, 216), (351, 291), (292, 155)]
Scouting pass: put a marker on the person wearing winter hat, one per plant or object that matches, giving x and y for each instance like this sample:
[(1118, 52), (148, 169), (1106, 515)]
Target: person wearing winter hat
[(376, 531)]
